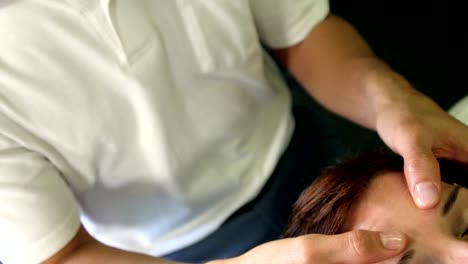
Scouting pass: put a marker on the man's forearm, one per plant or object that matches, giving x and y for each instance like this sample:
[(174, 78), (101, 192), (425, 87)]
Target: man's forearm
[(95, 252), (337, 67), (85, 249)]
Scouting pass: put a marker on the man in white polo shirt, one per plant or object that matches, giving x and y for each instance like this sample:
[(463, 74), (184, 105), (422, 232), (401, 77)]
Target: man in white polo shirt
[(131, 130)]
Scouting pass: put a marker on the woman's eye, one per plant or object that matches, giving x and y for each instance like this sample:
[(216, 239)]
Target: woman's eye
[(464, 234)]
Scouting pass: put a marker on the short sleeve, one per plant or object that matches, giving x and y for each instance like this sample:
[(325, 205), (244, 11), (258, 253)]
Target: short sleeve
[(38, 215), (460, 110), (282, 23)]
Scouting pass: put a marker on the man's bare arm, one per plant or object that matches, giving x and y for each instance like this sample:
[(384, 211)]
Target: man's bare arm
[(84, 249), (337, 67)]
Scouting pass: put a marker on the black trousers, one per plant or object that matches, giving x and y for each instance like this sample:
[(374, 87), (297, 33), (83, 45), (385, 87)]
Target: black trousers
[(313, 146)]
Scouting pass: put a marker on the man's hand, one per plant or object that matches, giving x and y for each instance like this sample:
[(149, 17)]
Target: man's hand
[(416, 128), (356, 247)]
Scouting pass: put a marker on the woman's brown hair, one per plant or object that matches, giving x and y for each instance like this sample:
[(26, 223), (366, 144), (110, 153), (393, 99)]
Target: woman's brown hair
[(325, 206)]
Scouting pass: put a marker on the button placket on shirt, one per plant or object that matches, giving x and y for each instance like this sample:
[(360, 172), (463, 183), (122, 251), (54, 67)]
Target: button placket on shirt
[(97, 13)]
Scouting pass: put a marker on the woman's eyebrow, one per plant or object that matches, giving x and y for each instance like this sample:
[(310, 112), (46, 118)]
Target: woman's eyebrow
[(407, 257), (452, 198)]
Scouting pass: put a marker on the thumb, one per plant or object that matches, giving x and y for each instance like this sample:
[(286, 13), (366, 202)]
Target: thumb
[(422, 176), (361, 246)]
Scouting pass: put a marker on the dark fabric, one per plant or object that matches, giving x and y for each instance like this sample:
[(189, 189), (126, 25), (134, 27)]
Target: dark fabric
[(312, 147)]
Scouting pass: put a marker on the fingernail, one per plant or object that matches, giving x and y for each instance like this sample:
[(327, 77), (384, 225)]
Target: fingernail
[(426, 194), (392, 240)]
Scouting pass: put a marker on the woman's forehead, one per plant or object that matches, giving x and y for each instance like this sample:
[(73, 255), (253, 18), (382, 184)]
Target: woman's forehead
[(385, 199), (387, 203), (392, 185), (388, 186)]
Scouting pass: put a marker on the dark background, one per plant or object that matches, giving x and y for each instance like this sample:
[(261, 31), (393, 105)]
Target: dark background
[(423, 41)]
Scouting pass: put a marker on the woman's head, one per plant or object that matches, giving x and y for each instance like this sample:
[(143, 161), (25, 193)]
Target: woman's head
[(369, 192)]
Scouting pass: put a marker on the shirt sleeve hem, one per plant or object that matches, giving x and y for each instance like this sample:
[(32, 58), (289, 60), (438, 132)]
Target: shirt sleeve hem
[(57, 239), (460, 110), (299, 31)]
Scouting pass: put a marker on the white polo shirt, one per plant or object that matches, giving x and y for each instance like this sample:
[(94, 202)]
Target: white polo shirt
[(152, 120)]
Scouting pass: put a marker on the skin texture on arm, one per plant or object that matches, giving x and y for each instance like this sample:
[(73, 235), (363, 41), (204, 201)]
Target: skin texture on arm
[(337, 67), (84, 249), (335, 62)]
